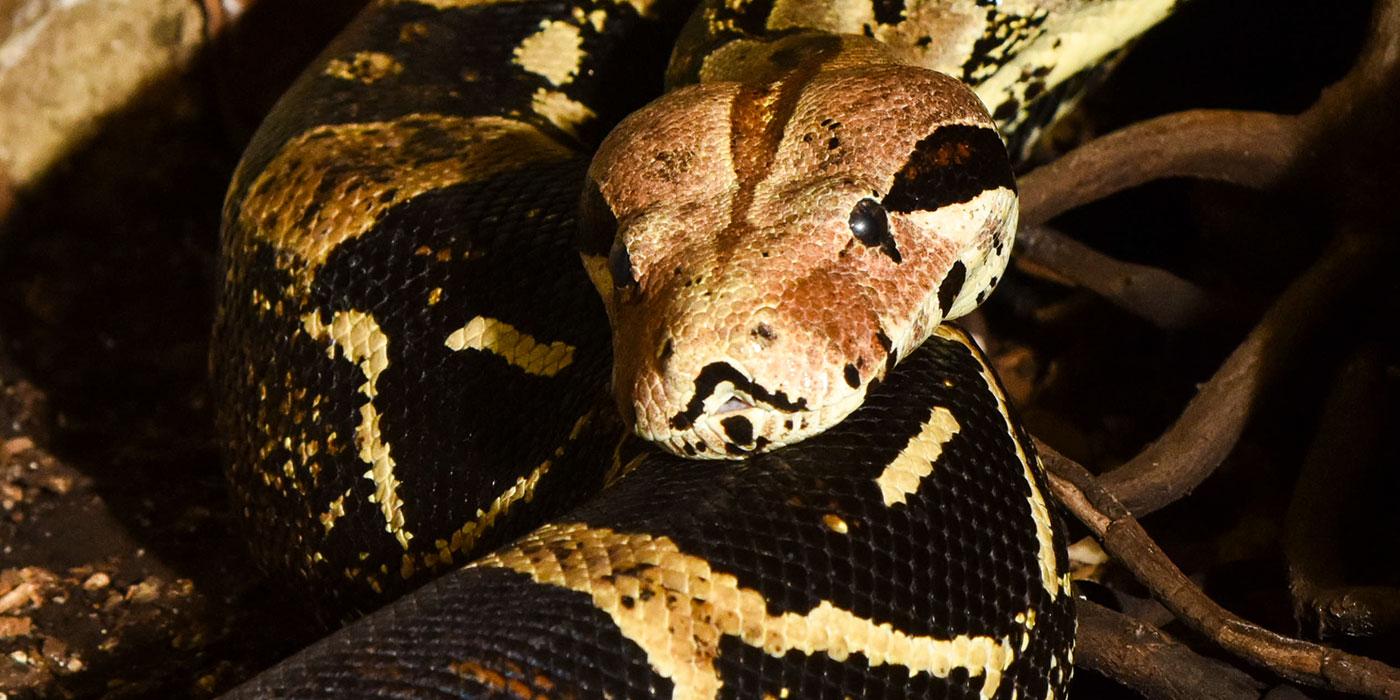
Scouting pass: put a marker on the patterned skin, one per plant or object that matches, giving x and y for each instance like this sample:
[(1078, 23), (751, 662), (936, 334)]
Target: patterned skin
[(412, 365), (904, 553), (785, 231)]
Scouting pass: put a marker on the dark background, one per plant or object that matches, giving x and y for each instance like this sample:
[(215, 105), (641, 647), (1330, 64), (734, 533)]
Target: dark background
[(107, 280)]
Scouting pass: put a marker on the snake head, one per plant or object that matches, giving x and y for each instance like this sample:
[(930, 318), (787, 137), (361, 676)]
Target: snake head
[(768, 252)]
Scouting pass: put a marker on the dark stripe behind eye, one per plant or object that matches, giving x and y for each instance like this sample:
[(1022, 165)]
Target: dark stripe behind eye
[(953, 164)]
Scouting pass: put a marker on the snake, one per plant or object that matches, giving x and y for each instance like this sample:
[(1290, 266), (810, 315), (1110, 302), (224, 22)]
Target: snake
[(554, 388)]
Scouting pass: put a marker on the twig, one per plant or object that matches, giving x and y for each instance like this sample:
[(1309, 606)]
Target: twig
[(1370, 82), (1148, 292), (1151, 662), (1191, 449), (1254, 149), (1347, 443), (1248, 148), (1257, 150), (1122, 536)]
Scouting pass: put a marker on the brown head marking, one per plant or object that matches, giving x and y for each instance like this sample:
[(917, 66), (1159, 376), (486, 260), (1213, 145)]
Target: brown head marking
[(777, 241)]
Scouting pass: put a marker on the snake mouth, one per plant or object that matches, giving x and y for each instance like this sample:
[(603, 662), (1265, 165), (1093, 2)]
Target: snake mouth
[(746, 429), (724, 414), (743, 394), (733, 404), (729, 415)]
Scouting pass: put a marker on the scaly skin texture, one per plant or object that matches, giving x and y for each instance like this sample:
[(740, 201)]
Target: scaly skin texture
[(907, 552), (752, 315), (408, 353), (412, 365)]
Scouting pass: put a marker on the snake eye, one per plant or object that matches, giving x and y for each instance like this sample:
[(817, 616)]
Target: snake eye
[(871, 226), (869, 223), (620, 266)]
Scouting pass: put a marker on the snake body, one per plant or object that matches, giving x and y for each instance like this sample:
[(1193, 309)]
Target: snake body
[(413, 368)]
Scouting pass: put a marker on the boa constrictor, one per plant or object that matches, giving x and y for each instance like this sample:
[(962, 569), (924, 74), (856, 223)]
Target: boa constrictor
[(413, 369)]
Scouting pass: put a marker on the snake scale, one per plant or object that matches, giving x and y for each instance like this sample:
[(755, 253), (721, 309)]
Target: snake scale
[(414, 365)]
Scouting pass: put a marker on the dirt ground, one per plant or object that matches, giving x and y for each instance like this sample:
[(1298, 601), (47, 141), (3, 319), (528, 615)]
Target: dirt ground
[(122, 574)]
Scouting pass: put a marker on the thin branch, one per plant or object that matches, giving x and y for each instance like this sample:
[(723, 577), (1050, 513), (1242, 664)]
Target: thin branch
[(1151, 293), (1348, 441), (1211, 424), (1151, 662), (1257, 150), (1122, 536), (1254, 149), (1249, 148), (1371, 81)]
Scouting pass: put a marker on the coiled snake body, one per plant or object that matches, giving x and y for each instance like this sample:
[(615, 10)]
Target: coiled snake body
[(413, 366)]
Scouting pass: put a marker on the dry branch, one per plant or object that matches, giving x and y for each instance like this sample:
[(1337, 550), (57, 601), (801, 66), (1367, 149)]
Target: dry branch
[(1122, 536), (1348, 442), (1151, 662), (1191, 449), (1257, 150), (1151, 293), (1254, 149)]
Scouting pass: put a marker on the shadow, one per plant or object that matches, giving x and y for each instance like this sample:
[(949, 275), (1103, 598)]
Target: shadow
[(107, 289), (107, 281)]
